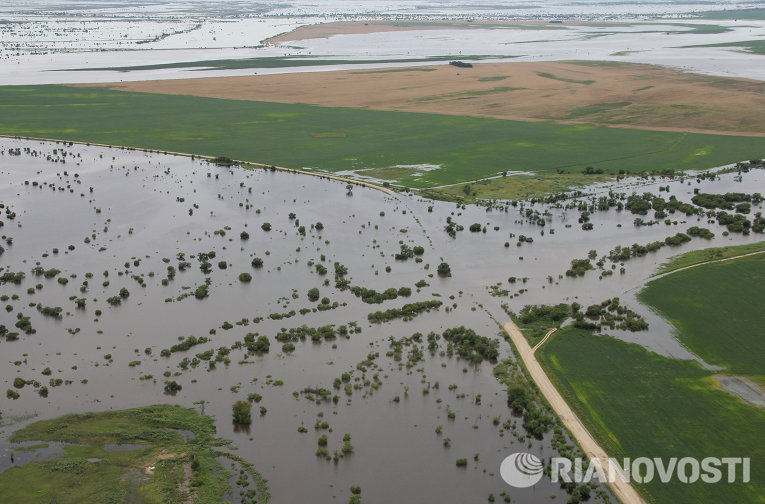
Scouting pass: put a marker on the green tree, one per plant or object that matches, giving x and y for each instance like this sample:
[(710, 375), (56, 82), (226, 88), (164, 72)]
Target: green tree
[(241, 411)]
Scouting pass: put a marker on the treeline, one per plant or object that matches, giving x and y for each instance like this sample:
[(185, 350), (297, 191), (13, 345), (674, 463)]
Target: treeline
[(372, 296), (184, 345), (407, 311)]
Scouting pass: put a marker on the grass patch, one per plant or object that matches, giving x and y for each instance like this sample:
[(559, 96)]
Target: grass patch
[(596, 63), (717, 309), (467, 148), (393, 70), (329, 134), (87, 473), (493, 78), (470, 94), (708, 254), (752, 46), (637, 403), (564, 79), (594, 109)]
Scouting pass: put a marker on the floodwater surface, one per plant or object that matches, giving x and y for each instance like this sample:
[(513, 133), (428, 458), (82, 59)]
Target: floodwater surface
[(110, 219)]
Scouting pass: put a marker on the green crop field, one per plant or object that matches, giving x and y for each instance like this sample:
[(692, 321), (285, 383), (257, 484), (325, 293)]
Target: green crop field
[(708, 254), (294, 135), (718, 311), (640, 404)]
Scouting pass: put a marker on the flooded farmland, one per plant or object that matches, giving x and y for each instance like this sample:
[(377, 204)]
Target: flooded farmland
[(141, 251)]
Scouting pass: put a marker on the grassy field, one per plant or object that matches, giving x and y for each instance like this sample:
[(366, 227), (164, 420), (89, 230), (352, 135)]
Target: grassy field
[(637, 403), (717, 309), (292, 135), (709, 254), (87, 473)]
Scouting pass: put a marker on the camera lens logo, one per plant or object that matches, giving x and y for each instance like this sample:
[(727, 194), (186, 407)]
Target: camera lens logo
[(521, 470)]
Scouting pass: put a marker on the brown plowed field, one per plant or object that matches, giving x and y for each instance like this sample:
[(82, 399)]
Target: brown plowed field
[(613, 94)]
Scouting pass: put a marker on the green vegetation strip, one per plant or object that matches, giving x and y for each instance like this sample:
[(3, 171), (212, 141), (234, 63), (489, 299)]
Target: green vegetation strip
[(564, 79), (640, 404), (709, 254), (466, 148), (717, 309), (752, 46), (276, 62), (183, 471)]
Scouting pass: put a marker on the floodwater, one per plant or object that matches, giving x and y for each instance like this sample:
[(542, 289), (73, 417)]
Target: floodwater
[(44, 43), (146, 207)]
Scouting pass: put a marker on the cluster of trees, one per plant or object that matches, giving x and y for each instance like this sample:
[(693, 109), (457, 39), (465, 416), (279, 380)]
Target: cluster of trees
[(579, 267), (551, 315), (241, 411), (372, 296), (341, 282), (609, 314), (677, 239), (536, 421), (621, 254), (737, 223), (727, 201), (49, 273), (11, 277), (326, 332), (452, 227), (184, 345), (408, 252), (259, 345), (49, 311), (472, 346), (406, 311)]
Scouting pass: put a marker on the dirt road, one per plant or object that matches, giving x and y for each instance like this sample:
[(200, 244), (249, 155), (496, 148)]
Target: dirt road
[(621, 489)]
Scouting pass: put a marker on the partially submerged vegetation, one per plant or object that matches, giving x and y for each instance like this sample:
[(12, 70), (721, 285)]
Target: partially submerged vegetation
[(157, 466)]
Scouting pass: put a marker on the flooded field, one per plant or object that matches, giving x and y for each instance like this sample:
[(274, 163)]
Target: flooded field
[(141, 251), (48, 42)]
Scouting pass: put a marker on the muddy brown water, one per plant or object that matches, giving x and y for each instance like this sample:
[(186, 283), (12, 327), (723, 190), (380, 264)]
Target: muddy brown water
[(144, 201)]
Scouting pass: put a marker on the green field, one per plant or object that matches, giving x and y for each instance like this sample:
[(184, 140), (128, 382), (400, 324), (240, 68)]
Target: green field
[(718, 311), (708, 254), (292, 135), (637, 403), (89, 474)]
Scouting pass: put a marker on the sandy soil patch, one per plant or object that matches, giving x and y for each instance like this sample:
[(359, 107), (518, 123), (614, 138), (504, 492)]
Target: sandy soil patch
[(326, 30), (613, 94)]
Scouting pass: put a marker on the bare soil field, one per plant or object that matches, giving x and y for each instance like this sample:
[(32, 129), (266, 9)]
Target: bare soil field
[(602, 93), (325, 30)]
